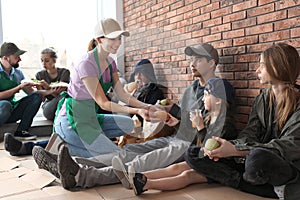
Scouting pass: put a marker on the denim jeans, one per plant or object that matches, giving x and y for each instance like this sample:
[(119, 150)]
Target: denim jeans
[(113, 126), (25, 111)]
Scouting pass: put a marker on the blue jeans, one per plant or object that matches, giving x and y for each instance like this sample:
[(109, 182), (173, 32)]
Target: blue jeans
[(113, 126), (25, 111)]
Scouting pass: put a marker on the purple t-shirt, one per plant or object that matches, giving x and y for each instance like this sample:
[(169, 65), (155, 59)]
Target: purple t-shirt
[(86, 66)]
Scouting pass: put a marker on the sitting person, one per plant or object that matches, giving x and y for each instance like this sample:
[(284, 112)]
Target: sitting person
[(264, 159), (49, 75), (153, 154), (145, 86), (12, 110)]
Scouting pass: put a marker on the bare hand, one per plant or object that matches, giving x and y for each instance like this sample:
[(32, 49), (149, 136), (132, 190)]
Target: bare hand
[(226, 149), (144, 113), (197, 119)]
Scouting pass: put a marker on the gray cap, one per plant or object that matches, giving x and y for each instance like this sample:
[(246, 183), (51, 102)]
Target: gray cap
[(203, 50), (8, 48)]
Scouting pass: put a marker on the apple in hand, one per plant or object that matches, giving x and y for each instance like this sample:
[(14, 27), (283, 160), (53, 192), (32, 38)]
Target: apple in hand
[(211, 144), (164, 102)]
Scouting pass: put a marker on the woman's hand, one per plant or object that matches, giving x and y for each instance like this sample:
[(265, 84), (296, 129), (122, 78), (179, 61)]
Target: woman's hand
[(226, 149), (44, 84), (166, 107), (197, 119), (144, 113)]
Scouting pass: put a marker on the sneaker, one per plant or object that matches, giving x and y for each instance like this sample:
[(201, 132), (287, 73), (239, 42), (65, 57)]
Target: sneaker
[(67, 168), (121, 172), (45, 160), (24, 135), (139, 181), (11, 144), (279, 190)]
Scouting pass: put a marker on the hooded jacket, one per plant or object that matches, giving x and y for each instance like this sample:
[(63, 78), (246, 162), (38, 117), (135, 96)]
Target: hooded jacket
[(259, 133)]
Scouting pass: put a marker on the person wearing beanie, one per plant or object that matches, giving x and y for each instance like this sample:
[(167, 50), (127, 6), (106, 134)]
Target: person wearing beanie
[(147, 90), (12, 110)]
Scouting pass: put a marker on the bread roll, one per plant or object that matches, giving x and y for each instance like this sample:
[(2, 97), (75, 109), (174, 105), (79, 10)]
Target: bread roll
[(131, 86), (162, 115)]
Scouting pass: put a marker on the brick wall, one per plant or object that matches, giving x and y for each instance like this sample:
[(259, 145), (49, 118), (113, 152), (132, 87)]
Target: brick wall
[(240, 30)]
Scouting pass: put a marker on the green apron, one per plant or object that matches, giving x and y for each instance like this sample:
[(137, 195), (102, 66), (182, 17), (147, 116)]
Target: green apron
[(82, 114), (7, 84)]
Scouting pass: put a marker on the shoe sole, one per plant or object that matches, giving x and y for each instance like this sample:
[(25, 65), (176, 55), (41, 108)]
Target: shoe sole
[(26, 138), (42, 159), (119, 166)]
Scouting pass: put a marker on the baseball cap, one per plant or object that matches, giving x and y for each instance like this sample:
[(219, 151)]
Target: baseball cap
[(203, 50), (8, 48), (220, 88), (109, 28)]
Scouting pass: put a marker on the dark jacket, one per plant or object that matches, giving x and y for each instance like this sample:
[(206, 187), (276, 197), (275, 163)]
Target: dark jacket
[(259, 133), (149, 93)]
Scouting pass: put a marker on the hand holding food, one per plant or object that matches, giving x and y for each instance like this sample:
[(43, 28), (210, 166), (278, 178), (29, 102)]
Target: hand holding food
[(131, 86), (211, 144)]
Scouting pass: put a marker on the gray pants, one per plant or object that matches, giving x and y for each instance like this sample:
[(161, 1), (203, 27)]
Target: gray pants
[(150, 155)]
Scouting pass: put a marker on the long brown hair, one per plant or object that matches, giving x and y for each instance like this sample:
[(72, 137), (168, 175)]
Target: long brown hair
[(283, 64)]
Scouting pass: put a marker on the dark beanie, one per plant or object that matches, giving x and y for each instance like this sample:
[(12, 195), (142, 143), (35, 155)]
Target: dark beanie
[(145, 67)]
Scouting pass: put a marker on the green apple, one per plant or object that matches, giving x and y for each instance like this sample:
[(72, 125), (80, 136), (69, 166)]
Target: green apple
[(211, 144), (164, 102)]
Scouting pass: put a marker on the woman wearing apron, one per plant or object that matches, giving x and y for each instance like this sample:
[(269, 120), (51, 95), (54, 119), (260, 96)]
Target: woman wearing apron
[(77, 122)]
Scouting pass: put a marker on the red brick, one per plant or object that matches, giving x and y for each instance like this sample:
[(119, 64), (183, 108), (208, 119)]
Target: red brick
[(234, 17), (239, 84), (234, 50), (285, 4), (254, 84), (244, 5), (210, 38), (274, 16), (259, 29), (263, 2), (177, 5), (201, 18), (210, 7), (244, 109), (171, 14), (244, 23), (221, 12), (294, 12), (287, 24), (245, 75), (247, 93), (233, 34), (229, 2), (222, 43), (226, 75), (177, 18), (235, 67), (245, 40), (253, 66), (221, 28), (191, 13), (260, 10), (279, 35), (201, 3), (295, 32), (212, 22), (246, 58), (257, 47), (226, 59), (200, 33)]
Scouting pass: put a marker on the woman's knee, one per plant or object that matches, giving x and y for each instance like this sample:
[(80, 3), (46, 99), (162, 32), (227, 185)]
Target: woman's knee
[(265, 166)]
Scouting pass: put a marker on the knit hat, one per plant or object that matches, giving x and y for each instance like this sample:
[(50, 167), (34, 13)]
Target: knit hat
[(8, 48), (220, 88), (203, 50), (109, 28), (145, 67)]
